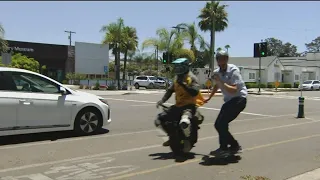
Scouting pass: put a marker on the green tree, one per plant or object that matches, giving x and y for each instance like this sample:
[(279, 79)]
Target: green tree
[(113, 37), (214, 18), (185, 53), (129, 43), (277, 48), (191, 34), (3, 42), (23, 62), (167, 40), (314, 45), (227, 47)]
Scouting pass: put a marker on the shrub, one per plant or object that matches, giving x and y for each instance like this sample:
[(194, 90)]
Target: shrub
[(251, 85), (296, 85), (287, 85), (112, 87), (270, 85), (97, 86), (65, 82), (81, 86)]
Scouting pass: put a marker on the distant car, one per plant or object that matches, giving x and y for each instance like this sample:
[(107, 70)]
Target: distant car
[(147, 82), (310, 85), (161, 82), (34, 103)]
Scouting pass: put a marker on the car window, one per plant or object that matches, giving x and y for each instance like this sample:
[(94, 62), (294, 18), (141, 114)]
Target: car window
[(144, 78), (7, 83), (152, 78), (315, 82), (33, 83), (307, 82)]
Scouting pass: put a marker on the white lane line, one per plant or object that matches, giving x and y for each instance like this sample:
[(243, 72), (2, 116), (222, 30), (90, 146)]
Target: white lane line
[(140, 148), (311, 175), (162, 135), (215, 109), (130, 133)]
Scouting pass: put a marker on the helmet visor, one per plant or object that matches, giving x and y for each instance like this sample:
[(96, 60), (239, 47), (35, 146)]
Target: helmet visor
[(180, 69)]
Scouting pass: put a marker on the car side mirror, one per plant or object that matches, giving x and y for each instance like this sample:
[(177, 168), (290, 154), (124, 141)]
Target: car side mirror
[(62, 90)]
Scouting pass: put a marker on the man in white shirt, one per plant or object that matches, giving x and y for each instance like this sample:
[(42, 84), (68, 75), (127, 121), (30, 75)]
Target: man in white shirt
[(229, 80)]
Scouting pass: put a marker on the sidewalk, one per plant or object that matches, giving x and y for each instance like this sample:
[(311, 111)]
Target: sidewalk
[(311, 175)]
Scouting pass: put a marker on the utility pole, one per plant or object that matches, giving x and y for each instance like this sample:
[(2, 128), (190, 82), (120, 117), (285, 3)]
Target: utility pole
[(259, 92), (69, 37)]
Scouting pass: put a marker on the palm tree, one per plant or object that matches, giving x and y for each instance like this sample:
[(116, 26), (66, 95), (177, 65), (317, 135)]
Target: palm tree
[(166, 41), (227, 47), (214, 18), (219, 49), (3, 43), (129, 42), (113, 33), (190, 33)]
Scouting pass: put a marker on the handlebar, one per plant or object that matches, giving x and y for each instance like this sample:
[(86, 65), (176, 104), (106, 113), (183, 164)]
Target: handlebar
[(164, 106)]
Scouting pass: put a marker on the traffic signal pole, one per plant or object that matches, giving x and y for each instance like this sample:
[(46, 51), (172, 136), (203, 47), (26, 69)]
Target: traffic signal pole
[(259, 92)]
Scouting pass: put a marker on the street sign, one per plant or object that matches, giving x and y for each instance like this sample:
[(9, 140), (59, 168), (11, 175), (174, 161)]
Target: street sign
[(276, 84), (105, 69)]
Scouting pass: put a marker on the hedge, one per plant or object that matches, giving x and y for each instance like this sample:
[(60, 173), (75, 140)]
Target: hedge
[(270, 85)]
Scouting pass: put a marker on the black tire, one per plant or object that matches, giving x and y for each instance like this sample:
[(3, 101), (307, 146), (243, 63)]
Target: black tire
[(136, 85), (81, 125), (175, 143), (151, 86), (311, 88)]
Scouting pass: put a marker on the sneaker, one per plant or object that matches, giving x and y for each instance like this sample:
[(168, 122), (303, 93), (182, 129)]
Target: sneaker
[(220, 152), (235, 149), (166, 143)]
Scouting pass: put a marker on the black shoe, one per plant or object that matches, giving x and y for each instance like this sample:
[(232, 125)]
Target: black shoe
[(235, 149), (166, 143), (220, 152)]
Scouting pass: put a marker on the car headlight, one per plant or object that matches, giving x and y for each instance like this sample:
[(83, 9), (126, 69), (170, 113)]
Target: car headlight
[(104, 101)]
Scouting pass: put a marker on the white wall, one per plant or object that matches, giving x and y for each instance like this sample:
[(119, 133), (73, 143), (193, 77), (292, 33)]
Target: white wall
[(91, 58), (245, 75), (274, 67)]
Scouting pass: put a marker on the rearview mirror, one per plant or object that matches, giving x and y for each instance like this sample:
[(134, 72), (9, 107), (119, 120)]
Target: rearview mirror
[(62, 90)]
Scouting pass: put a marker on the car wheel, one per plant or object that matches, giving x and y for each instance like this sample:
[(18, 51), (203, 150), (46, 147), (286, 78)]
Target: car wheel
[(136, 85), (311, 88), (88, 121), (151, 86)]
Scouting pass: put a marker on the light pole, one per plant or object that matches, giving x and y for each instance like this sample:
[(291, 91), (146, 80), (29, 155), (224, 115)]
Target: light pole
[(70, 34)]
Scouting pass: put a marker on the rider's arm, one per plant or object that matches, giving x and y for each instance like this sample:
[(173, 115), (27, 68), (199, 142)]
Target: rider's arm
[(168, 93), (194, 87), (214, 90)]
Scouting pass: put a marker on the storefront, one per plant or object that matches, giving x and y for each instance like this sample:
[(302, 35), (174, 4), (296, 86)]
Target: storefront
[(53, 56)]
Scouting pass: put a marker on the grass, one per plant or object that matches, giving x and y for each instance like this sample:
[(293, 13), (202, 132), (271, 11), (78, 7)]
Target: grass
[(249, 177)]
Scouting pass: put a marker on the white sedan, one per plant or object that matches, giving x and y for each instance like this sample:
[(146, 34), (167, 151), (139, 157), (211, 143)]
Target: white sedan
[(310, 85), (33, 103)]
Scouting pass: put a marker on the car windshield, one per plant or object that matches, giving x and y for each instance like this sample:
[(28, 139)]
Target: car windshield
[(152, 78), (307, 82)]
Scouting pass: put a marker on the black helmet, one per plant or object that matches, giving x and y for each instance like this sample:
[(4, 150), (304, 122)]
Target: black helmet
[(222, 53), (181, 66)]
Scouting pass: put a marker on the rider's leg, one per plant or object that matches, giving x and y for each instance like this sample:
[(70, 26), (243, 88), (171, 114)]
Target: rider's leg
[(188, 113), (162, 118)]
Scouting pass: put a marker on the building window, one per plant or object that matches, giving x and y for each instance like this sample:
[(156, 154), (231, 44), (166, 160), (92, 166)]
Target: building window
[(277, 76), (296, 77), (252, 76)]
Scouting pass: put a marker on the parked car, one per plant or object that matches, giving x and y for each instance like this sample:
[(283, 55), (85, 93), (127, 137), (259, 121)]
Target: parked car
[(310, 85), (34, 103), (146, 81), (161, 82)]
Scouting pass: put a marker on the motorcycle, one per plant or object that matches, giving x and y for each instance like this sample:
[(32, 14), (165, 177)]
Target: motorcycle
[(178, 142)]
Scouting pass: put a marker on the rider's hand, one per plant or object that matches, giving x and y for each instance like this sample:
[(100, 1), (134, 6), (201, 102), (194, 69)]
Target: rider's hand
[(207, 100), (159, 103)]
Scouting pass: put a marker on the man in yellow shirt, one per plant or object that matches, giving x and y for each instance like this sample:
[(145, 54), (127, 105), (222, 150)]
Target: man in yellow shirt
[(186, 89)]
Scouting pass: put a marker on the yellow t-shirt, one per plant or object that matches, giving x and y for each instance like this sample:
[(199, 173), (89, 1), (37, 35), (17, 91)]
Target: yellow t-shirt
[(184, 98)]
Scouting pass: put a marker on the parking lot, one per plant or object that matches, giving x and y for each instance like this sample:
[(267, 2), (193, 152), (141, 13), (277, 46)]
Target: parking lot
[(276, 144)]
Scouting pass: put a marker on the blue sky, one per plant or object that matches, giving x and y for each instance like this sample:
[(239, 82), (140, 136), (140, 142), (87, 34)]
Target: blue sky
[(249, 22)]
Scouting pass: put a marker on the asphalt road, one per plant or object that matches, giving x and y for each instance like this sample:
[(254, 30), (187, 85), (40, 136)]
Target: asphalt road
[(276, 145)]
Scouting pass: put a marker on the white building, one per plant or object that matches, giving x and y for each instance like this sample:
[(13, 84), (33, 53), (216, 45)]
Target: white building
[(91, 59), (286, 70)]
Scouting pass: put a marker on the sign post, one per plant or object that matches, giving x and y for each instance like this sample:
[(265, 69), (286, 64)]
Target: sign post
[(276, 84), (106, 71)]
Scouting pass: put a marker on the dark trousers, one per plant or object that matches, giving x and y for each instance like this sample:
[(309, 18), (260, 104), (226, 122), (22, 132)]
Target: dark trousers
[(229, 111)]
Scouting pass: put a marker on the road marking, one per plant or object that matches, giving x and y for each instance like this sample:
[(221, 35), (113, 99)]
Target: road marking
[(215, 109), (199, 159), (163, 135), (141, 148), (311, 175), (130, 133)]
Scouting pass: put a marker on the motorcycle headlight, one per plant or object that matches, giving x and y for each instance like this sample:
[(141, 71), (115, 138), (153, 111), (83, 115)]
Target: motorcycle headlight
[(104, 101)]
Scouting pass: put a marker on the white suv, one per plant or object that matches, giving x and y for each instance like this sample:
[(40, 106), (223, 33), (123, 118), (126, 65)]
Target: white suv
[(145, 81)]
